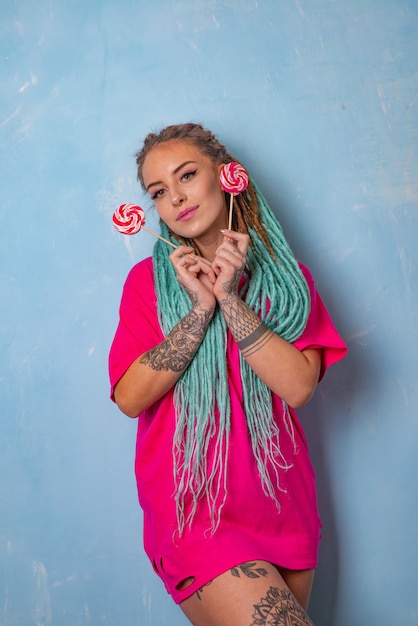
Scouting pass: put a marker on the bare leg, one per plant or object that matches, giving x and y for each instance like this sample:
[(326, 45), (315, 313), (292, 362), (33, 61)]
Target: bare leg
[(300, 583), (251, 594)]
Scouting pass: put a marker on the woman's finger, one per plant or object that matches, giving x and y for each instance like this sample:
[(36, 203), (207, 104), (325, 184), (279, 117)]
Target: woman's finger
[(179, 253), (239, 240)]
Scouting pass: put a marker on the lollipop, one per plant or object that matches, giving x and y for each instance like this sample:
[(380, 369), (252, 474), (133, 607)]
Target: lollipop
[(128, 219), (234, 180)]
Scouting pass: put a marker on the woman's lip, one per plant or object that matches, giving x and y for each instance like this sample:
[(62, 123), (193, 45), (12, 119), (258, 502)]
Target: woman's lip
[(186, 214)]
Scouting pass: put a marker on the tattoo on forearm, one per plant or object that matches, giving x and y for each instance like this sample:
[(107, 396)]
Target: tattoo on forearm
[(250, 334), (279, 608), (231, 286), (249, 569), (181, 344), (256, 340), (241, 320), (192, 295)]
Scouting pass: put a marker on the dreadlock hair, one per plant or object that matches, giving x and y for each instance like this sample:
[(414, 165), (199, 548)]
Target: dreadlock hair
[(278, 293)]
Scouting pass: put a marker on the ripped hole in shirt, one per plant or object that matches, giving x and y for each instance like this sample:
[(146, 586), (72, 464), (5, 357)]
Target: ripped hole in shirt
[(156, 568), (185, 583)]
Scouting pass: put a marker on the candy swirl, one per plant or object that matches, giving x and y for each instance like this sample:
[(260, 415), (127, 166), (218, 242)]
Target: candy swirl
[(234, 178), (128, 219)]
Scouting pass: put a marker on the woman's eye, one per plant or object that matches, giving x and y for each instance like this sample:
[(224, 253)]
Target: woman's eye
[(157, 194), (188, 175)]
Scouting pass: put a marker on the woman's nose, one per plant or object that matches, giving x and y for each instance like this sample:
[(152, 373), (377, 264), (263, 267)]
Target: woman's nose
[(177, 196)]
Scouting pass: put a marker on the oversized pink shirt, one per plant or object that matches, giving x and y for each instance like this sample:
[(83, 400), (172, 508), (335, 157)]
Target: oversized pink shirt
[(251, 526)]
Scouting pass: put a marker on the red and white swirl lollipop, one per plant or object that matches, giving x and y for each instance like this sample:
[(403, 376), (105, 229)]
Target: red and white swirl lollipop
[(128, 219), (234, 180)]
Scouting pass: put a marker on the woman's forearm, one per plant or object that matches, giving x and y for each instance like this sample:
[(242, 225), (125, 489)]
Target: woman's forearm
[(157, 370), (288, 372)]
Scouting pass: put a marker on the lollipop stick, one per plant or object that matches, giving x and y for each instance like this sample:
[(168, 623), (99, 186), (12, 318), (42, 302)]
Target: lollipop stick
[(151, 232), (170, 243), (231, 202)]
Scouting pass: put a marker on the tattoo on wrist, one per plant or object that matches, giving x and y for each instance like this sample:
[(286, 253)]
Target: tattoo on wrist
[(241, 320), (255, 340), (181, 344), (249, 333), (231, 286), (192, 295)]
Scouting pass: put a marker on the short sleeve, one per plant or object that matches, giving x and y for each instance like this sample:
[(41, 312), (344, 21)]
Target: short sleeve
[(320, 332), (138, 328)]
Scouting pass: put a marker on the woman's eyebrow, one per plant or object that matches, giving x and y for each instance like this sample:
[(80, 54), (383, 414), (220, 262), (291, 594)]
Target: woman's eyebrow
[(159, 182)]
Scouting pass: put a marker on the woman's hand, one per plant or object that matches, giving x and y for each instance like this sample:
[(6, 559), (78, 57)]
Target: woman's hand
[(196, 275), (229, 264)]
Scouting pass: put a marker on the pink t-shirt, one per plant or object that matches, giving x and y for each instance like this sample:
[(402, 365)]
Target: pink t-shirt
[(251, 527)]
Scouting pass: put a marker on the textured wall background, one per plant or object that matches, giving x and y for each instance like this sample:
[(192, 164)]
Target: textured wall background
[(319, 99)]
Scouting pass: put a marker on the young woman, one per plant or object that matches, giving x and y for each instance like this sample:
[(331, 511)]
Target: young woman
[(218, 342)]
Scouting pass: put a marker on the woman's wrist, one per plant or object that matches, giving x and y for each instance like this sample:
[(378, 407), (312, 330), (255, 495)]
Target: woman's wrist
[(201, 304), (201, 315), (246, 327), (255, 340)]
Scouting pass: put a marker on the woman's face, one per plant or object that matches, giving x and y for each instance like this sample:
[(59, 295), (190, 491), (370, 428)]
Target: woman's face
[(184, 185)]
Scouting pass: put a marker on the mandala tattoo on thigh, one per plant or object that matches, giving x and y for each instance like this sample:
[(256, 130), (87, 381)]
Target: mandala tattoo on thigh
[(279, 608)]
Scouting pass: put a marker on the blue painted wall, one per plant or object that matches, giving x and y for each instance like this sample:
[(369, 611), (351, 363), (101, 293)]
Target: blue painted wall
[(319, 100)]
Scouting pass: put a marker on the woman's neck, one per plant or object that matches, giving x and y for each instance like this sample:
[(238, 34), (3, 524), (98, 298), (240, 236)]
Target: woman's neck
[(208, 245)]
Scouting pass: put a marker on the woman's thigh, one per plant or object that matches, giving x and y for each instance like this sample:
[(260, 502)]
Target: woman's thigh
[(300, 583), (251, 594)]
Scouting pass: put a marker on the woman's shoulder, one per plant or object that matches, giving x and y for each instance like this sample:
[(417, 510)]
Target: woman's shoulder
[(306, 273), (141, 276), (142, 269)]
